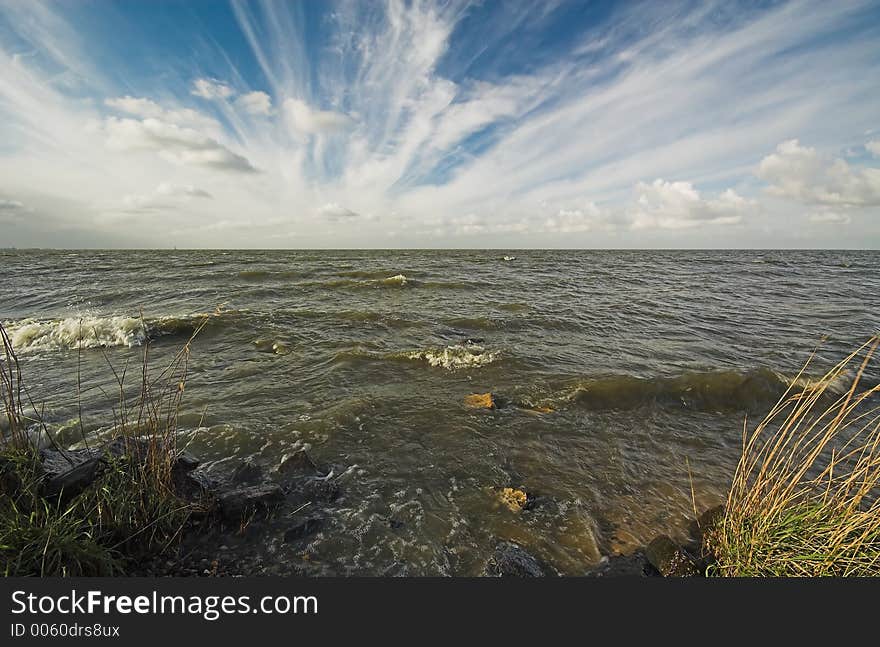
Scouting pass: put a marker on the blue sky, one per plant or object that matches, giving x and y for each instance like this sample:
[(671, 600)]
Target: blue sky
[(203, 123)]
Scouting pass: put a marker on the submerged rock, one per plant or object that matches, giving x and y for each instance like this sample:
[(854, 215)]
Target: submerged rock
[(480, 401), (305, 529), (634, 565), (670, 559), (241, 502), (299, 463), (510, 560)]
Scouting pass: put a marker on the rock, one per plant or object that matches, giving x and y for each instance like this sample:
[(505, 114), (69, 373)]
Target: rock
[(514, 500), (510, 560), (240, 502), (247, 472), (670, 559), (480, 401), (186, 462), (298, 463), (634, 565), (305, 529), (69, 471), (318, 490), (708, 519)]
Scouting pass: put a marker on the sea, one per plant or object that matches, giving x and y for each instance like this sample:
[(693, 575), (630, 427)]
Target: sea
[(623, 381)]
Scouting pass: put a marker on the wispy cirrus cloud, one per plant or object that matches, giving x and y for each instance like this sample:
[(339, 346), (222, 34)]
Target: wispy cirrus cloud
[(538, 125)]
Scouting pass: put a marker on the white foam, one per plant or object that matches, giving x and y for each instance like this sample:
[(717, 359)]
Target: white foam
[(455, 357), (77, 332), (397, 279)]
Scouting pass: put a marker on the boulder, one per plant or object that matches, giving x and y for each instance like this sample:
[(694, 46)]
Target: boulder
[(305, 529), (298, 463), (69, 471), (247, 472), (670, 559), (634, 565), (241, 502), (480, 401), (510, 560)]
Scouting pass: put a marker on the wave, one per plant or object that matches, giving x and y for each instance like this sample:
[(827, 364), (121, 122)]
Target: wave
[(89, 331), (454, 357), (395, 281), (367, 274), (752, 390), (451, 358), (262, 275)]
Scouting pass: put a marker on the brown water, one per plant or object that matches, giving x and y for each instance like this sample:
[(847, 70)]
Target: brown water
[(649, 361)]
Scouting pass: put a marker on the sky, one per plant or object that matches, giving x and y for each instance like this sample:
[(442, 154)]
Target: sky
[(398, 124)]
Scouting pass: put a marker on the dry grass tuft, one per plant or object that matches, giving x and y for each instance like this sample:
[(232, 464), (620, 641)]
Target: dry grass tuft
[(804, 499)]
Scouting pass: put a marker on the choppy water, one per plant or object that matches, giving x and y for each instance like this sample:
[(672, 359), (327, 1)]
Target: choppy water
[(648, 360)]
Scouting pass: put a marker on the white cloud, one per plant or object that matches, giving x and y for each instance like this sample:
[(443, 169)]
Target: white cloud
[(164, 196), (873, 147), (255, 103), (678, 205), (175, 143), (211, 89), (10, 205), (830, 218), (335, 211), (149, 109), (305, 119), (800, 173)]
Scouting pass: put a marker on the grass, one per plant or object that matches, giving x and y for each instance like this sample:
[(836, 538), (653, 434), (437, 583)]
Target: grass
[(804, 498), (131, 510)]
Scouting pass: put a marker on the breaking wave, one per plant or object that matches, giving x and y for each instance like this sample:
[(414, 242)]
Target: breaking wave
[(90, 331), (454, 357)]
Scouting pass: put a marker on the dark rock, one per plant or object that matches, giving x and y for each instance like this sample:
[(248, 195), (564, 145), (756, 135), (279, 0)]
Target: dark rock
[(298, 463), (318, 490), (247, 472), (186, 462), (240, 502), (634, 565), (510, 560), (670, 559), (708, 519), (69, 471), (305, 529), (395, 524)]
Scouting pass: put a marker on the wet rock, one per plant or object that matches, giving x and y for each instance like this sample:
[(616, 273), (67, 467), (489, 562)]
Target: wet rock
[(299, 463), (510, 560), (634, 565), (318, 490), (480, 401), (244, 501), (69, 471), (186, 462), (395, 524), (247, 472), (305, 529), (513, 499), (670, 559), (707, 520)]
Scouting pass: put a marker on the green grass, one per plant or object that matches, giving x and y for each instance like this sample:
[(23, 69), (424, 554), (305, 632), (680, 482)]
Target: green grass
[(804, 499), (130, 511)]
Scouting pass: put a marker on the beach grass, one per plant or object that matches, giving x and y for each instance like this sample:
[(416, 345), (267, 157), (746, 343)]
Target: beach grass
[(130, 509), (803, 501)]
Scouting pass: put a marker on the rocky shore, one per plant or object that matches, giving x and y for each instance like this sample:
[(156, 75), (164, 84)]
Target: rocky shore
[(233, 507)]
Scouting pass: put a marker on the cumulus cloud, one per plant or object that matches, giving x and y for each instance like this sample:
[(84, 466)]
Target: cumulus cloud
[(800, 173), (678, 205), (305, 119), (211, 89), (255, 103), (335, 211), (173, 142)]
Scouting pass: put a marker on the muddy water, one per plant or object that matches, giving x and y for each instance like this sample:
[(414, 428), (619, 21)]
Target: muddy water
[(641, 362)]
